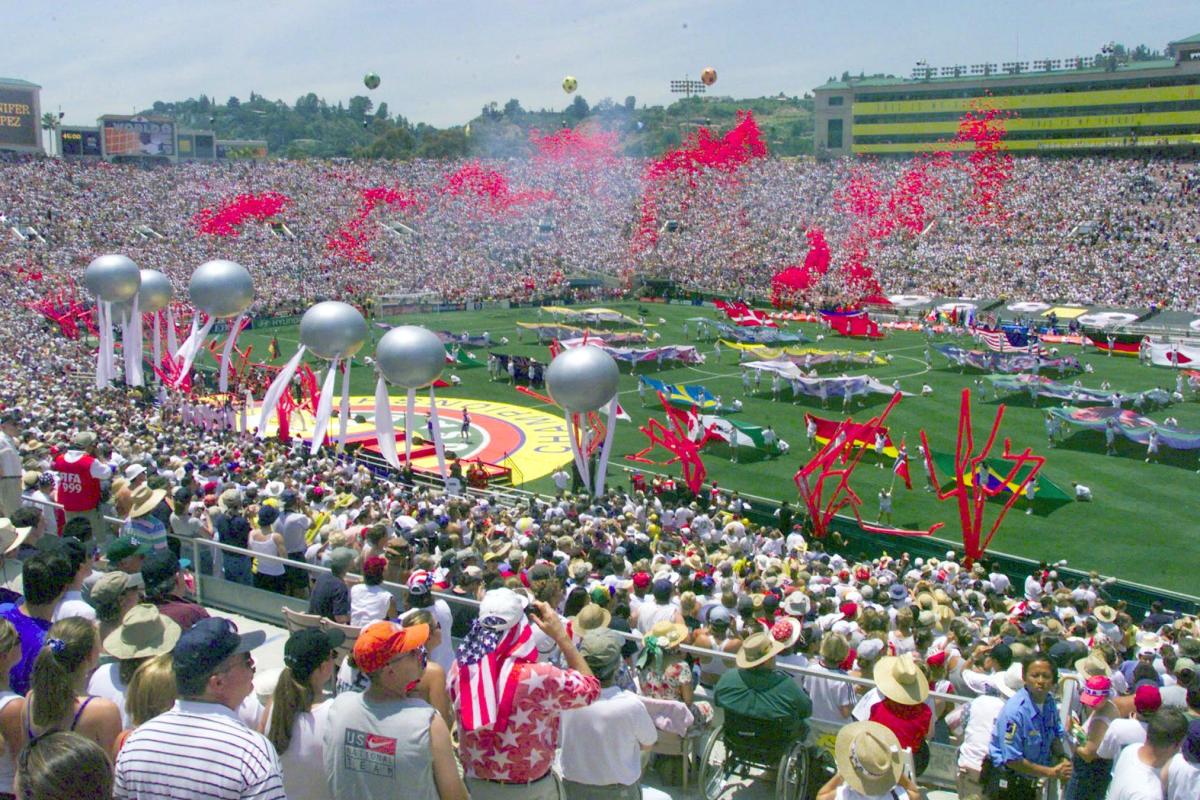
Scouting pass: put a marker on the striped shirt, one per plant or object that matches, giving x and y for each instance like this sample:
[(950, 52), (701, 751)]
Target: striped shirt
[(197, 750)]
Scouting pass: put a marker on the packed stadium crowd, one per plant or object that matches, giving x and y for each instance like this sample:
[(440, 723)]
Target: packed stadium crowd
[(537, 649), (1102, 231)]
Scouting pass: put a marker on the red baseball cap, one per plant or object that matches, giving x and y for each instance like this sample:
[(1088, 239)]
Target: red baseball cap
[(1147, 699), (849, 610), (641, 579)]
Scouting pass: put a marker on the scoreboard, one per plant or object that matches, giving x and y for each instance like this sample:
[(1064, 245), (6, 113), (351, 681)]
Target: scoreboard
[(137, 136), (19, 118)]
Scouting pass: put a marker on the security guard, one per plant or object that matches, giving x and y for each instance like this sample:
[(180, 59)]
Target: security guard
[(1027, 744)]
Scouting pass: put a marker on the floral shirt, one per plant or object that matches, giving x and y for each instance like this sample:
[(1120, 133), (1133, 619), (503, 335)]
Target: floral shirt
[(524, 750), (666, 686)]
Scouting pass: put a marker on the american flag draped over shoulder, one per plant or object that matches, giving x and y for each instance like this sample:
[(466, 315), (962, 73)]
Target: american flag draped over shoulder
[(483, 680)]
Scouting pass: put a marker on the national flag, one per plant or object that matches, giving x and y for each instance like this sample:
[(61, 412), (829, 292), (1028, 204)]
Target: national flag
[(621, 414), (1007, 341), (900, 467), (483, 680), (742, 314)]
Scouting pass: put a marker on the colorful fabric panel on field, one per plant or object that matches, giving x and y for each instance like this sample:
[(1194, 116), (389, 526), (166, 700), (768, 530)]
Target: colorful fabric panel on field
[(1118, 348), (859, 435), (591, 315), (1009, 339), (825, 388), (741, 314), (684, 354), (685, 394), (854, 323), (996, 470), (812, 356), (467, 340), (995, 361), (1075, 394), (1129, 424), (1173, 354), (461, 358), (750, 334)]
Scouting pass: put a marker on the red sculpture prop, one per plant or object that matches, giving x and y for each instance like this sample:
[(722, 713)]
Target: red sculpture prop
[(836, 461), (683, 440), (973, 496)]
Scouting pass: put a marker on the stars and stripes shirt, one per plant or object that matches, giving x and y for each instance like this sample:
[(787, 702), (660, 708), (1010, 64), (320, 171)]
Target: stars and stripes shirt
[(197, 750), (524, 750)]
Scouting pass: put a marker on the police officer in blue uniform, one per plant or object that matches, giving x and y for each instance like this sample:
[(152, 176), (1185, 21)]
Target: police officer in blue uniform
[(1027, 744)]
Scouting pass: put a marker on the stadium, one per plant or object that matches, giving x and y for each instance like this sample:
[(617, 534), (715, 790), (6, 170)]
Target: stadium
[(556, 467)]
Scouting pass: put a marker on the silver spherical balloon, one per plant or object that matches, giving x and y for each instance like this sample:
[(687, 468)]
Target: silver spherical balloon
[(333, 329), (221, 288), (155, 292), (112, 277), (582, 378), (410, 356)]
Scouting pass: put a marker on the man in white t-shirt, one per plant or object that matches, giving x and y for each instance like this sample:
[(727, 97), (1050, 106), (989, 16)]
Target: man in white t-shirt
[(602, 744), (1183, 771), (1132, 730), (1137, 772)]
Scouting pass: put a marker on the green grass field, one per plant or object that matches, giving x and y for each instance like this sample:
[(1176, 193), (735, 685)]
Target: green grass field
[(1141, 527)]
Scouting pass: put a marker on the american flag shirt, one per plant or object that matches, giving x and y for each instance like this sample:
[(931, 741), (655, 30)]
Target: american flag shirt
[(524, 750)]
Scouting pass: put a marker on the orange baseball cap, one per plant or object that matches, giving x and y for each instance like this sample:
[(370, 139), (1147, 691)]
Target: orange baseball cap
[(380, 642)]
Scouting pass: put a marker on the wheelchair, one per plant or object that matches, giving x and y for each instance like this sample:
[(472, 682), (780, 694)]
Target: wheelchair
[(742, 745)]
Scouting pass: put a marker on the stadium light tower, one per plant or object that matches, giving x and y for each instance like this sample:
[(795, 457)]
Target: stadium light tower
[(688, 87)]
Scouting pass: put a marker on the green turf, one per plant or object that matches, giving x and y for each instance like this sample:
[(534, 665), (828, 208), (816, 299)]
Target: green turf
[(1140, 528)]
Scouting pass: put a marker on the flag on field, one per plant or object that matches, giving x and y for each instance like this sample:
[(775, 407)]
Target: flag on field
[(900, 467), (852, 323), (741, 314), (857, 435), (1008, 340)]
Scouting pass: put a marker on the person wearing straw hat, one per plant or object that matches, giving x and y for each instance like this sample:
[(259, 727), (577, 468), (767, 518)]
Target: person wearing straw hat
[(663, 670), (756, 690), (113, 594), (903, 709), (143, 633), (140, 522), (869, 766)]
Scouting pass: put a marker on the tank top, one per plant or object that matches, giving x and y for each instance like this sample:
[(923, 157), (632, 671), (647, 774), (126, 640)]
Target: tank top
[(267, 548), (7, 767), (74, 720), (77, 489), (379, 749)]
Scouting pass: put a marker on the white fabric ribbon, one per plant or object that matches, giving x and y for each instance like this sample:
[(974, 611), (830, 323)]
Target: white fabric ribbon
[(410, 403), (244, 421), (172, 338), (344, 409), (190, 348), (437, 434), (131, 345), (156, 339), (385, 430), (324, 408), (102, 369), (602, 464), (275, 391), (223, 382), (576, 449)]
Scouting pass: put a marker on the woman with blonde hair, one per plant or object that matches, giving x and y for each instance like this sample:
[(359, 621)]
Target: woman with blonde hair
[(58, 699), (151, 690), (432, 687), (296, 712)]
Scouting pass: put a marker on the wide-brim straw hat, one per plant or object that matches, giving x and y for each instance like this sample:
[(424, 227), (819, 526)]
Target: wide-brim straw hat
[(1105, 613), (758, 648), (591, 617), (669, 634), (143, 632), (868, 758), (901, 680), (144, 500)]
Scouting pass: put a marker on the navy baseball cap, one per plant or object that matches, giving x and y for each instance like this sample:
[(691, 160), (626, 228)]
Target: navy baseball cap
[(210, 641)]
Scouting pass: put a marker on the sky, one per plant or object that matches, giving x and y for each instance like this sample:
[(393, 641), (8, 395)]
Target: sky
[(440, 62)]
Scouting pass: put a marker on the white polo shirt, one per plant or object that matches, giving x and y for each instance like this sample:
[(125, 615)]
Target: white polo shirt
[(602, 743)]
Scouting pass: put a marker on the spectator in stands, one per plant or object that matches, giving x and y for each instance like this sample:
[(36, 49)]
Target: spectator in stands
[(127, 553), (144, 633), (166, 587), (903, 709), (293, 526), (58, 698), (141, 522), (976, 725), (151, 692), (868, 766), (72, 603), (757, 692), (432, 688), (62, 765), (1090, 774), (602, 744), (384, 743), (663, 670), (369, 600), (1183, 771), (11, 703), (832, 698), (113, 594), (1137, 774), (330, 597), (420, 595), (214, 674), (80, 475), (296, 718), (232, 528), (508, 704), (269, 575), (45, 578)]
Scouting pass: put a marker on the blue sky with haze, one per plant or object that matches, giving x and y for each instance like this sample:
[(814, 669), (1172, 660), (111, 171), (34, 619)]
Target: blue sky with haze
[(441, 61)]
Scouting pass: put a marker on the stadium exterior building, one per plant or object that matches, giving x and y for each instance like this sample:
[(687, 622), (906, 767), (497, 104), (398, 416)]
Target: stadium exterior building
[(1072, 105)]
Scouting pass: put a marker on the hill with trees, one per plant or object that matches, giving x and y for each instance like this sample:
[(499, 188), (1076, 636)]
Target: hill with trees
[(311, 127)]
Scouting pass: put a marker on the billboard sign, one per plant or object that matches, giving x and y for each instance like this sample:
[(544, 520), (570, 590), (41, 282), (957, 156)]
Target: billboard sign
[(18, 117), (137, 136), (81, 141)]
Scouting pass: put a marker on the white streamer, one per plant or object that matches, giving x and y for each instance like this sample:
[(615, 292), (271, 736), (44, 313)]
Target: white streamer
[(437, 434), (344, 409), (172, 338), (223, 382), (275, 391), (131, 345), (324, 408), (156, 335), (408, 422), (602, 464), (385, 430), (576, 451), (101, 359), (246, 412), (189, 349)]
